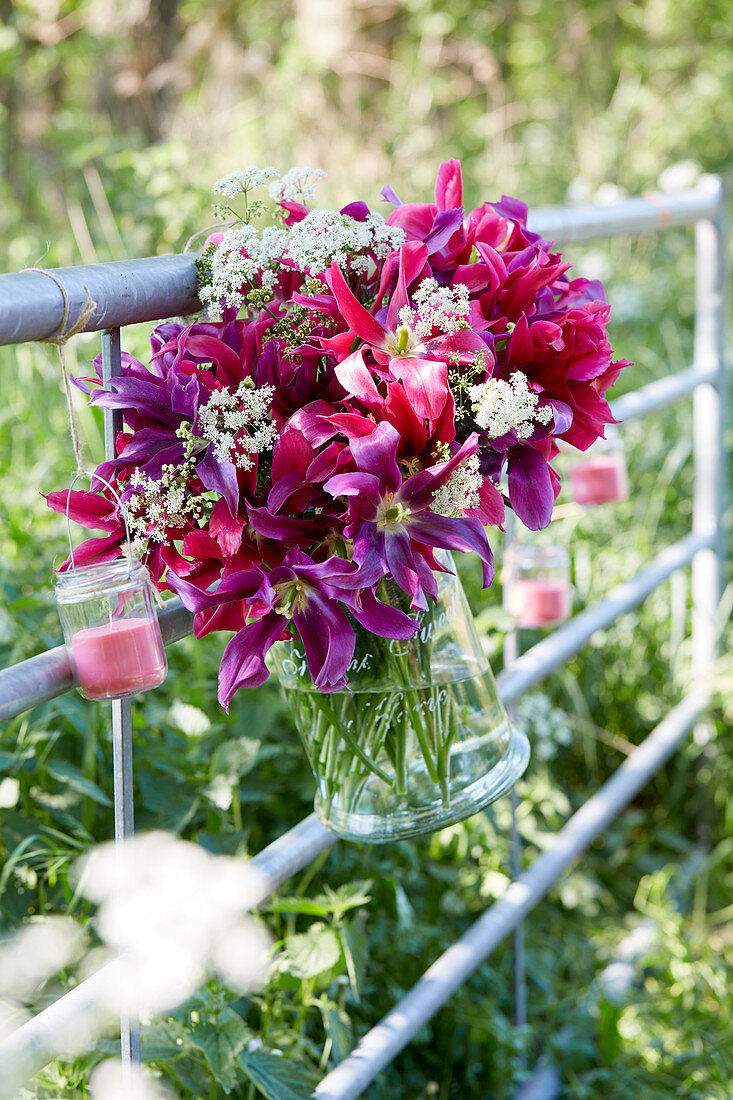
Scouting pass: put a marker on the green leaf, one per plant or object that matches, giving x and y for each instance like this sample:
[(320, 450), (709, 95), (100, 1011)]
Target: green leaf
[(308, 954), (356, 952), (336, 902), (609, 1037), (190, 1074), (221, 1042), (67, 773), (172, 803), (338, 1028), (310, 907), (279, 1078), (163, 1040)]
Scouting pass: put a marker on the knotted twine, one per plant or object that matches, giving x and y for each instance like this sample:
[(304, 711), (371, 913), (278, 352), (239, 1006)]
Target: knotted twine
[(60, 339)]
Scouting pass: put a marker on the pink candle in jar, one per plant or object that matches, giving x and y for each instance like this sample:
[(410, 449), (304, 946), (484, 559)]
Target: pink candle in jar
[(599, 480), (119, 658), (539, 601)]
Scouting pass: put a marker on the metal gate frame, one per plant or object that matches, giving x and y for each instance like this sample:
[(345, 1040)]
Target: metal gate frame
[(32, 308)]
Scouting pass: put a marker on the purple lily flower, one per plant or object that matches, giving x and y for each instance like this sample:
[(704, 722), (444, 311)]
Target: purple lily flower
[(311, 594), (392, 526)]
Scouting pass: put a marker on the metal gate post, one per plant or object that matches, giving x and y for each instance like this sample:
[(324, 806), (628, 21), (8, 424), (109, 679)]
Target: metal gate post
[(709, 413), (511, 652), (124, 809)]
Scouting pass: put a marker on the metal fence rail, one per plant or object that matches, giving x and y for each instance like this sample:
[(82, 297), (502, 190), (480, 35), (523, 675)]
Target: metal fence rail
[(32, 307)]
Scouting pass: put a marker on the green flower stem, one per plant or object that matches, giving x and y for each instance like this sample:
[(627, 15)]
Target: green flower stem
[(360, 741)]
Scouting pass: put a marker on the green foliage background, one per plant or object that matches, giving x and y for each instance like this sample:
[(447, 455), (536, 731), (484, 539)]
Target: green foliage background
[(115, 121)]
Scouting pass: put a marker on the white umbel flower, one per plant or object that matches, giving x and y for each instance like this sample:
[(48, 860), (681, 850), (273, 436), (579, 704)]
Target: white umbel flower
[(247, 257), (297, 185), (326, 235), (155, 506), (441, 308), (248, 179), (461, 491), (243, 259), (499, 406), (238, 423)]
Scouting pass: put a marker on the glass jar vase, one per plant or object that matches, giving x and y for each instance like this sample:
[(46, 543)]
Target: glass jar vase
[(111, 628), (420, 739)]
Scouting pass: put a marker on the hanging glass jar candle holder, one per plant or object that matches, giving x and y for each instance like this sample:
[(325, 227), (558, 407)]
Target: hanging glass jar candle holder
[(600, 477), (110, 625), (536, 582)]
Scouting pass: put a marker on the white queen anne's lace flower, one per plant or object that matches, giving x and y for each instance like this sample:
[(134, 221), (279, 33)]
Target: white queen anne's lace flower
[(248, 179), (156, 506), (441, 308), (461, 491), (238, 423), (499, 406), (244, 258), (247, 257), (326, 235), (297, 185)]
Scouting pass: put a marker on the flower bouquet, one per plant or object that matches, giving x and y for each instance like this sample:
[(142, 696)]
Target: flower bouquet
[(364, 397)]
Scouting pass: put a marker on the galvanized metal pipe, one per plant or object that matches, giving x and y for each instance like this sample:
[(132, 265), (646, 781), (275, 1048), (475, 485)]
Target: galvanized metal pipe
[(709, 412), (126, 291), (511, 652), (380, 1045), (290, 853), (635, 215), (660, 393), (122, 769), (63, 1028)]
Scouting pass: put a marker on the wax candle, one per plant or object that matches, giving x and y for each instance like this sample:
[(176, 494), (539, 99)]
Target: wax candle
[(599, 480), (119, 658), (538, 601)]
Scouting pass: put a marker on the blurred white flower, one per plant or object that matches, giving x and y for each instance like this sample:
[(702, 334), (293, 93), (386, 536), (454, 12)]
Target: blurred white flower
[(242, 955), (169, 913), (9, 792), (608, 194), (189, 719), (221, 792), (37, 952), (167, 906), (113, 1081), (546, 725), (679, 176)]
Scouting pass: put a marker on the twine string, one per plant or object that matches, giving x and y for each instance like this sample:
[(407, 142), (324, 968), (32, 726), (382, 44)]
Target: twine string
[(122, 510), (60, 338), (209, 229)]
